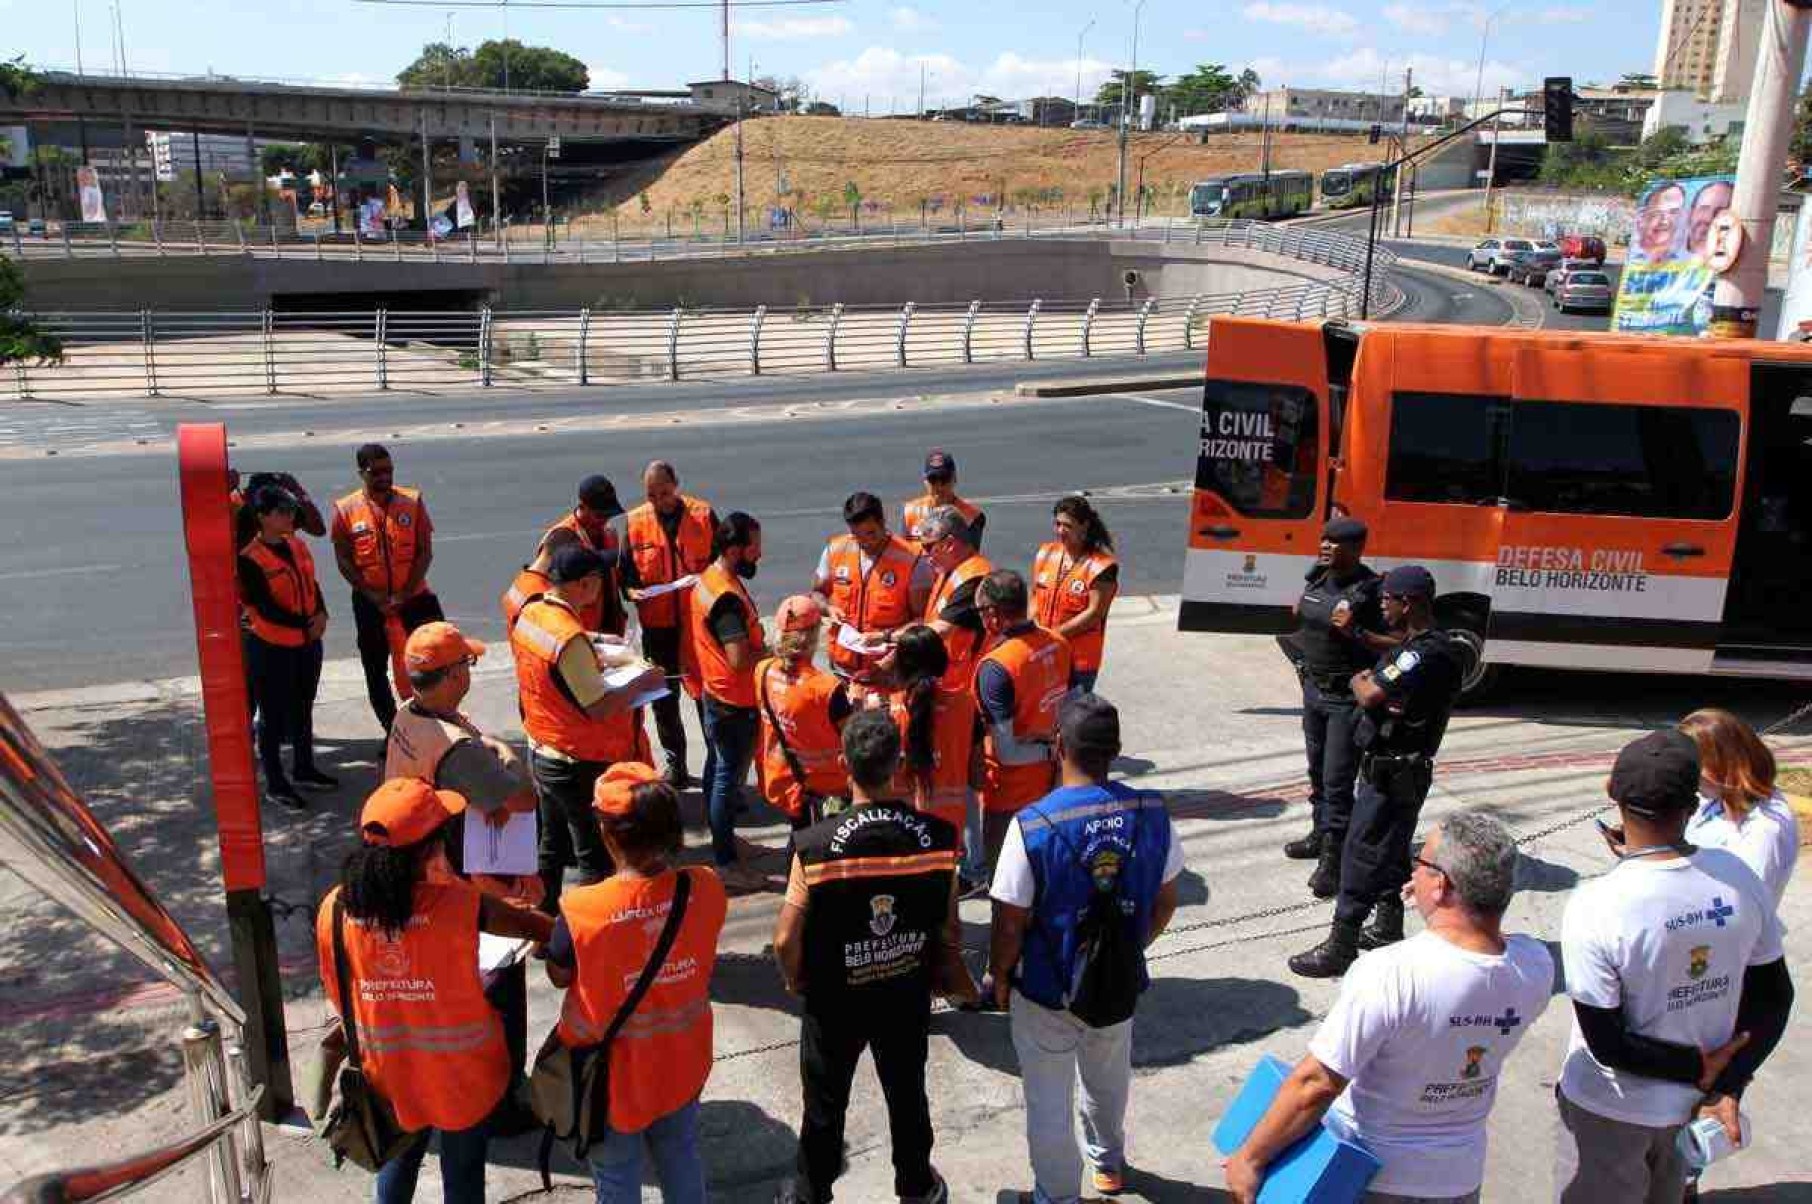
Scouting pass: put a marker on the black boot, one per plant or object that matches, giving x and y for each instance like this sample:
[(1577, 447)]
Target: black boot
[(1305, 848), (1386, 927), (1332, 957), (1324, 883)]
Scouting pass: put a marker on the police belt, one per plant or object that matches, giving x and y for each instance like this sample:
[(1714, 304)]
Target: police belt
[(1371, 765), (1336, 684)]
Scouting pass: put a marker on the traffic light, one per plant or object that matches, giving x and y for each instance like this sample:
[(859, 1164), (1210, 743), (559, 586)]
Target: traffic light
[(1557, 108), (1372, 135)]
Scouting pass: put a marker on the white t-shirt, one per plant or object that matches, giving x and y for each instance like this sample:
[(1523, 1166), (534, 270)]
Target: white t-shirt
[(1013, 882), (1421, 1030), (1667, 941), (1767, 839)]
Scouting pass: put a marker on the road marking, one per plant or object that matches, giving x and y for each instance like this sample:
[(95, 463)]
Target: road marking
[(29, 574), (1191, 407)]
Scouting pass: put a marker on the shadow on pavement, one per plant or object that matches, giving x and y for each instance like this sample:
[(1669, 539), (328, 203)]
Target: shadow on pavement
[(1772, 1193), (1636, 700), (1222, 804), (1544, 877), (751, 980)]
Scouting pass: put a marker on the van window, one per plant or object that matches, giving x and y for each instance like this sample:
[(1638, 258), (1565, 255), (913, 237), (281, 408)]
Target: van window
[(1446, 447), (1260, 448), (1640, 461)]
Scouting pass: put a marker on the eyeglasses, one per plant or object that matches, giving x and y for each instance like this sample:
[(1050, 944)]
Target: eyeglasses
[(1429, 865)]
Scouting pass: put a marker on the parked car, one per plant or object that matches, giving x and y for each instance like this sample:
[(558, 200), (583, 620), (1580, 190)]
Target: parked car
[(1532, 267), (1587, 288), (1583, 246), (1560, 273), (35, 227), (1493, 255), (7, 225)]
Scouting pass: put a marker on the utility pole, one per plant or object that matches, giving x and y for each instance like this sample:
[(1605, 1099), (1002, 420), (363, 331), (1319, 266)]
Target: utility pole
[(333, 183), (1396, 202), (427, 177), (1128, 97), (1091, 24), (1737, 300), (1497, 130), (496, 208), (921, 90), (1264, 140)]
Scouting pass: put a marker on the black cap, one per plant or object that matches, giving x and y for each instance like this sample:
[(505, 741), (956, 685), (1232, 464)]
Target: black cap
[(1089, 723), (939, 464), (1658, 774), (1345, 530), (267, 498), (600, 496), (574, 562), (1409, 580)]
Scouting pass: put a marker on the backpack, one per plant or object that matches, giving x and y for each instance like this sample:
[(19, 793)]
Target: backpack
[(1108, 975)]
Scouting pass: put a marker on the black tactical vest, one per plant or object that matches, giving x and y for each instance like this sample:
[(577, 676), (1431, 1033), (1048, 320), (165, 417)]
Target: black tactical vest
[(1327, 656)]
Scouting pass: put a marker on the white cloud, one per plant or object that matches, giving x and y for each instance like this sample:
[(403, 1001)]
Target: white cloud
[(1436, 75), (890, 80), (911, 20), (605, 79), (793, 29), (1316, 18), (1563, 16), (1417, 18), (624, 25)]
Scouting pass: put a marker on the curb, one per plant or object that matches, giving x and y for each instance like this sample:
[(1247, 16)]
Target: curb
[(1089, 386)]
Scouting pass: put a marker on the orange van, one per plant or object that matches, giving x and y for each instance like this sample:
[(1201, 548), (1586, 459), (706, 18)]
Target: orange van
[(1585, 501)]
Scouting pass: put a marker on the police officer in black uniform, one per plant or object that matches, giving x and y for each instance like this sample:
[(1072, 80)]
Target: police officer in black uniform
[(1404, 704), (868, 933), (1341, 631)]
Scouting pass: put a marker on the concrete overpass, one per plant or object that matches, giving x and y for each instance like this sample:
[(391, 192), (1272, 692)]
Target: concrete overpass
[(243, 107)]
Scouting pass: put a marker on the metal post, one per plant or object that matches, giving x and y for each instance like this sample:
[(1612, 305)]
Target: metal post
[(471, 247), (1088, 324), (1195, 303), (396, 244), (379, 324), (204, 1072), (579, 365), (969, 332), (23, 379), (276, 247), (358, 243), (239, 233), (1139, 330), (496, 210), (1031, 321), (68, 251), (19, 245), (899, 343), (201, 240), (673, 324), (484, 346), (147, 332), (270, 353), (1497, 136), (830, 338), (1737, 301), (1371, 246), (761, 313)]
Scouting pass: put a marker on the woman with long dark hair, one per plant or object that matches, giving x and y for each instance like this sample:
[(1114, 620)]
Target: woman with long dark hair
[(605, 937), (937, 738), (430, 1042), (1074, 580)]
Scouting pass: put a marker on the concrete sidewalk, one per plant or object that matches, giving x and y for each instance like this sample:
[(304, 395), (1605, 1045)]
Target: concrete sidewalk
[(93, 1068)]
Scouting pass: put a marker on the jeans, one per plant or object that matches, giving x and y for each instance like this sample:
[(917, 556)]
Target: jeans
[(1374, 862), (462, 1157), (729, 745), (1327, 734), (284, 683), (830, 1044), (374, 645), (1057, 1053), (569, 826), (975, 866), (616, 1161), (662, 646), (1599, 1159)]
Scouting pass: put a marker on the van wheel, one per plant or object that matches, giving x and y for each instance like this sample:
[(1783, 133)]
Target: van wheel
[(1479, 676)]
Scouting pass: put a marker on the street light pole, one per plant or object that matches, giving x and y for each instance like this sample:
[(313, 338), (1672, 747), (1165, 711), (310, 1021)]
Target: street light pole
[(1478, 81), (1079, 37), (1128, 94)]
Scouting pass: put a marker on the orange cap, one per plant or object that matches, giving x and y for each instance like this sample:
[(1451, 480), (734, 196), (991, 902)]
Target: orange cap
[(437, 645), (614, 790), (800, 612), (406, 811)]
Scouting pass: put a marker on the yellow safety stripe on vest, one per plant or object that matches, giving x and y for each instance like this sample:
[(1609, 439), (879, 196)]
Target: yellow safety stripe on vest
[(879, 867), (1143, 802)]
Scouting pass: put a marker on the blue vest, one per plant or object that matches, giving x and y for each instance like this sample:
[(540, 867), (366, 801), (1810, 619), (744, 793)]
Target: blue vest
[(1074, 835)]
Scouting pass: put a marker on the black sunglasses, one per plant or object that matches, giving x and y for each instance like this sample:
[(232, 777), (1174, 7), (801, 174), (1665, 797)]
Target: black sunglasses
[(1429, 865)]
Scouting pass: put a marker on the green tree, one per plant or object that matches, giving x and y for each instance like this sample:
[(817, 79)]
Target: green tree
[(1143, 83), (852, 199), (440, 65), (1635, 81), (1800, 149), (280, 157), (496, 65), (1207, 89), (1586, 162), (16, 79), (21, 342), (821, 108)]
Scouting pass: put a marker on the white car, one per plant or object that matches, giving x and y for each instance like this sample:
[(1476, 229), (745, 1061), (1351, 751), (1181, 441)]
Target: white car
[(1493, 255)]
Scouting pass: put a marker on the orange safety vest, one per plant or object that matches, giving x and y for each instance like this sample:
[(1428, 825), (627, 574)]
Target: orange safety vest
[(797, 700), (662, 1055), (960, 643), (528, 587), (877, 600), (606, 614), (945, 790), (704, 668), (431, 1043), (549, 715), (293, 587), (1038, 661), (383, 538), (659, 560), (914, 512), (1061, 590)]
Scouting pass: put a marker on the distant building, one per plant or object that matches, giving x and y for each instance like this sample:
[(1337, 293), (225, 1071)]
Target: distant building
[(175, 153), (732, 95), (1320, 102), (1708, 48), (1700, 120)]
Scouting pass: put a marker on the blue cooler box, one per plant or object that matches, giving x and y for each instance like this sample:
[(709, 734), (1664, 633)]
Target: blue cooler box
[(1319, 1169)]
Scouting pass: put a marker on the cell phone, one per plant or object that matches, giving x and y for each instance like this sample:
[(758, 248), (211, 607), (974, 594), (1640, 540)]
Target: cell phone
[(1614, 835)]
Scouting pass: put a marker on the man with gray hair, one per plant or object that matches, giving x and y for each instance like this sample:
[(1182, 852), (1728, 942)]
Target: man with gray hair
[(1408, 1059)]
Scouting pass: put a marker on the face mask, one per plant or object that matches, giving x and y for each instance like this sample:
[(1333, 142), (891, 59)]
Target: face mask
[(746, 569)]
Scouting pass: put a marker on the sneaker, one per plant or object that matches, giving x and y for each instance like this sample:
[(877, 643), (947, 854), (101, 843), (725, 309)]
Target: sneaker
[(1109, 1183), (968, 889), (287, 798), (315, 779)]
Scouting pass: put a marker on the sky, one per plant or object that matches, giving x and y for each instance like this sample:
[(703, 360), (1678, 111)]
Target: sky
[(867, 55)]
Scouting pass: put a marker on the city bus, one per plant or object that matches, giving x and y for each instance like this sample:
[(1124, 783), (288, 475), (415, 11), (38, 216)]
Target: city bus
[(1584, 500), (1353, 184), (1280, 194)]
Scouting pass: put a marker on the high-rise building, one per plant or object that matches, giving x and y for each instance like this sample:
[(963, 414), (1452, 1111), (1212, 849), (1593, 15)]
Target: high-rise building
[(1708, 47)]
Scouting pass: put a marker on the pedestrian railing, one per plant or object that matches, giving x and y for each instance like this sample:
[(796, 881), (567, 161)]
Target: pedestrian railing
[(158, 352)]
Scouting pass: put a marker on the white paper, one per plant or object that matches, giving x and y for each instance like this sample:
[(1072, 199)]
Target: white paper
[(656, 591), (496, 952), (508, 850), (848, 637), (622, 676)]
